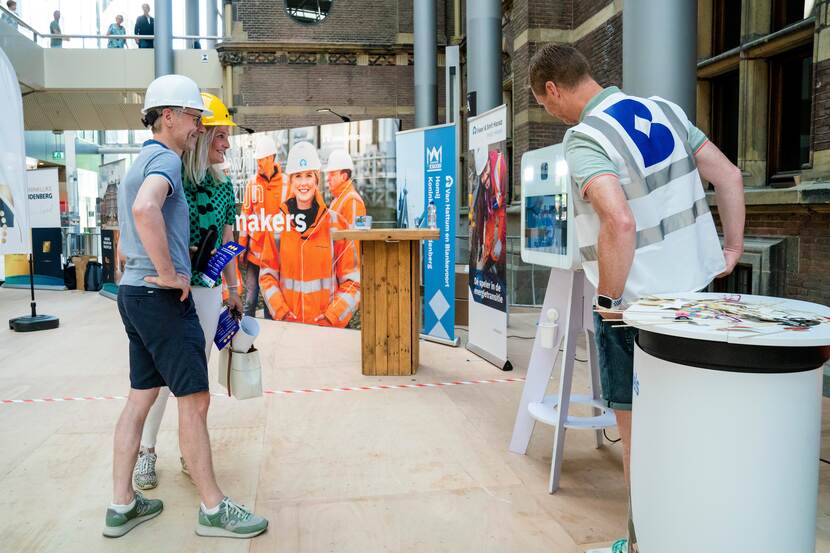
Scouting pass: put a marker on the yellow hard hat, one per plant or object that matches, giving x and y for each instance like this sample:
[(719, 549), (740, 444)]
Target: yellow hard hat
[(221, 115)]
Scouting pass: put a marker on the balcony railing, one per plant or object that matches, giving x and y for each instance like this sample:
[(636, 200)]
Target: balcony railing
[(101, 40)]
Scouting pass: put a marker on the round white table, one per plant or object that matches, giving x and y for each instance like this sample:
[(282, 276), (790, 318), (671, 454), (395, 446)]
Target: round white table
[(725, 431)]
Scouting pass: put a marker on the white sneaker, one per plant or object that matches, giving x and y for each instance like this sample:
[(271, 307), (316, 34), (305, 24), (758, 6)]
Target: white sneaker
[(144, 473)]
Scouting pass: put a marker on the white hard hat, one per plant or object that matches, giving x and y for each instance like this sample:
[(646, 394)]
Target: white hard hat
[(480, 159), (339, 160), (265, 146), (302, 157), (174, 91)]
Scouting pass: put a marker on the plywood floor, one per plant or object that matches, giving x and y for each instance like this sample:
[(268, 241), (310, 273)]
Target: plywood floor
[(409, 470)]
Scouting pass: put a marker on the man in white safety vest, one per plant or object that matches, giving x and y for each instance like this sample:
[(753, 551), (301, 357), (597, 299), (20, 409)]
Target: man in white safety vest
[(641, 215)]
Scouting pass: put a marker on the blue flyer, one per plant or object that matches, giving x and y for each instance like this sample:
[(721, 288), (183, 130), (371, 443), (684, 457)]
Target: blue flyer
[(226, 329), (221, 258)]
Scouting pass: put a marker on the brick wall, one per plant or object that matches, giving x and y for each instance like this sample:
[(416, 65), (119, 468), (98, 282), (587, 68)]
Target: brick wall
[(359, 89), (811, 280), (354, 21), (585, 9), (365, 88), (372, 22), (550, 14), (603, 47)]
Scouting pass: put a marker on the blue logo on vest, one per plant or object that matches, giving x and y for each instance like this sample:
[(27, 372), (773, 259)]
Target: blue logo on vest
[(654, 140)]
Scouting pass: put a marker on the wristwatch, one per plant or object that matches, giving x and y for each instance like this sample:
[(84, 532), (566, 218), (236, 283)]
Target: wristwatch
[(607, 302)]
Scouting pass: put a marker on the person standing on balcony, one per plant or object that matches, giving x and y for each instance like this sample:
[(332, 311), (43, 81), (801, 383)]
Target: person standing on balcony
[(117, 29), (55, 29), (12, 6), (145, 25)]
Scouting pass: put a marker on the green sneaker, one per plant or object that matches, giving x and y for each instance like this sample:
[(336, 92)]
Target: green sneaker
[(232, 521), (619, 546), (118, 524)]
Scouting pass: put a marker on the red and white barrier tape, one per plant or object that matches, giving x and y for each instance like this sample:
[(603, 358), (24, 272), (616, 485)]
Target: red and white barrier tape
[(286, 392)]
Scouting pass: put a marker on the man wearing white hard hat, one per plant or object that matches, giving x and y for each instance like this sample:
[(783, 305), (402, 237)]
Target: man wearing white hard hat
[(264, 195), (166, 341), (307, 276), (346, 201)]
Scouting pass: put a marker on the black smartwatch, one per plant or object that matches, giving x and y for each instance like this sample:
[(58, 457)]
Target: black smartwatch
[(606, 302)]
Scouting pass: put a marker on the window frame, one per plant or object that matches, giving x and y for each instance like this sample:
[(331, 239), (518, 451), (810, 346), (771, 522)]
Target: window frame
[(777, 111), (719, 26)]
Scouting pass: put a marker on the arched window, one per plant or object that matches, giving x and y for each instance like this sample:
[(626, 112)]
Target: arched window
[(308, 12)]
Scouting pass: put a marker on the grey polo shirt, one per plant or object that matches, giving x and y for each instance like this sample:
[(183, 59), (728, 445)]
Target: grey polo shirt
[(155, 159)]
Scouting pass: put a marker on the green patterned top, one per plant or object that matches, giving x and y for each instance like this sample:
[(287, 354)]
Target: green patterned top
[(211, 205)]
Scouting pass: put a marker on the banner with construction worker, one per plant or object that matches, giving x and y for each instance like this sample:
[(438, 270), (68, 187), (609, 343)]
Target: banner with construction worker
[(296, 186), (487, 176), (427, 198)]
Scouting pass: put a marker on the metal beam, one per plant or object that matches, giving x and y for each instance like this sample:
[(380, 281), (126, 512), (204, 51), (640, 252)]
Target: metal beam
[(192, 21), (660, 50), (163, 42), (426, 64), (484, 54), (211, 19)]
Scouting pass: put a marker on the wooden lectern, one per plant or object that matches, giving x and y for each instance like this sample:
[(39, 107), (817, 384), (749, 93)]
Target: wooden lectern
[(390, 306)]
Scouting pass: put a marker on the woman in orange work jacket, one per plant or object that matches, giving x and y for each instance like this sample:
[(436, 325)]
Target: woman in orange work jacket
[(306, 276)]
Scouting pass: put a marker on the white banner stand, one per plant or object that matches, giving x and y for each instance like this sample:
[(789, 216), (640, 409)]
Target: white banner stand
[(572, 296)]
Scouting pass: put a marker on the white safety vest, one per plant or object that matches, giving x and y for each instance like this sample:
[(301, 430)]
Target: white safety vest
[(677, 248)]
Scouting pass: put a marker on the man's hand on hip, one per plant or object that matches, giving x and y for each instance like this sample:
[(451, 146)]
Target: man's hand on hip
[(731, 256), (175, 281)]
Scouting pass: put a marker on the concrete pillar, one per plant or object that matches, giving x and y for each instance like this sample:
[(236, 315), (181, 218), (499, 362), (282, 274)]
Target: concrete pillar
[(753, 74), (660, 50), (227, 22), (753, 115), (426, 64), (192, 22), (72, 193), (211, 22), (163, 43), (484, 53)]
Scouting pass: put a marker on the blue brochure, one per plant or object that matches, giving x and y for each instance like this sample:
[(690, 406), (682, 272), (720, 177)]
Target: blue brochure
[(228, 327), (221, 258)]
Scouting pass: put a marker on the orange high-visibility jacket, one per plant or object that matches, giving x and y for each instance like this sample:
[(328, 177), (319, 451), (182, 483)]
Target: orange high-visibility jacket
[(266, 194), (495, 226), (308, 274), (347, 202)]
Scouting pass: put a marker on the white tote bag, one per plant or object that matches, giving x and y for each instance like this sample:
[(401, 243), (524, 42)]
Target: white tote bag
[(240, 373)]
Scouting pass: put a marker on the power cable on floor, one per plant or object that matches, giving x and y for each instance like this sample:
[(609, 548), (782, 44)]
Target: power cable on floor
[(464, 328), (824, 460), (604, 433)]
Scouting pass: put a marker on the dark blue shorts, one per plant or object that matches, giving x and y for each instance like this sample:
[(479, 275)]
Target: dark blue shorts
[(167, 345), (615, 346)]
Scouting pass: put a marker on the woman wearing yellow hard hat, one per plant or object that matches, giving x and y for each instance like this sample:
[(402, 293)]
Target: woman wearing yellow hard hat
[(212, 206)]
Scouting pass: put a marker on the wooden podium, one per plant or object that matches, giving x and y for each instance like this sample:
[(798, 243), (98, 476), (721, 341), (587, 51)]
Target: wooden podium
[(390, 306)]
